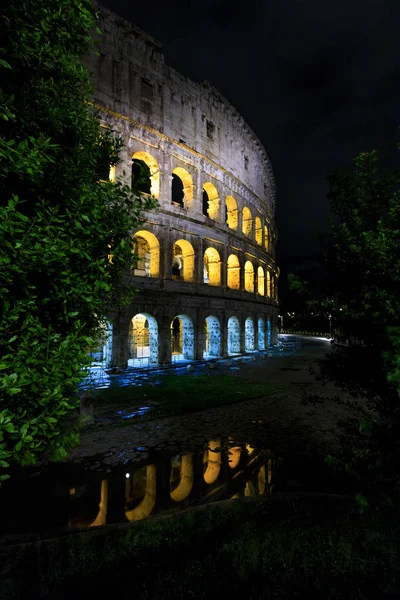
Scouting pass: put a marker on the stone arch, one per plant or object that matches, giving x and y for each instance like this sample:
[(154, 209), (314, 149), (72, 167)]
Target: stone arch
[(144, 508), (249, 335), (102, 352), (233, 269), (249, 277), (261, 334), (184, 487), (151, 184), (143, 340), (231, 212), (147, 249), (182, 187), (233, 335), (183, 261), (212, 337), (266, 238), (212, 461), (212, 267), (260, 281), (268, 290), (210, 201), (269, 332), (258, 226), (247, 222), (182, 338)]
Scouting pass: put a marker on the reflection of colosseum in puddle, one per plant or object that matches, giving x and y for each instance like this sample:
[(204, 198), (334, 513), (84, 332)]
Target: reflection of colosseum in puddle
[(221, 472), (205, 258)]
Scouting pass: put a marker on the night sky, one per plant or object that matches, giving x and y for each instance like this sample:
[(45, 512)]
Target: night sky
[(317, 80)]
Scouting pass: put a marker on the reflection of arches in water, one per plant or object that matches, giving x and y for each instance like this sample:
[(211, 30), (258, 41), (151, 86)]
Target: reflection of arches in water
[(261, 481), (143, 340), (141, 484), (233, 335), (212, 337), (212, 461), (249, 335), (234, 455), (249, 489), (182, 338), (269, 332), (269, 476), (261, 334), (101, 518), (184, 465)]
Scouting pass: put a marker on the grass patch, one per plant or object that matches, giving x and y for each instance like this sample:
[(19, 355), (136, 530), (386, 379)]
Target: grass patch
[(283, 548), (180, 394)]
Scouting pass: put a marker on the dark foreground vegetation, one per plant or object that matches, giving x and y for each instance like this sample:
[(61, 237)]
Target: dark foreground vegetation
[(283, 547)]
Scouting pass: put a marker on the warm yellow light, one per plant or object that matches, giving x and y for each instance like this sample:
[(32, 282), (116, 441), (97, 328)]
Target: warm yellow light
[(112, 174)]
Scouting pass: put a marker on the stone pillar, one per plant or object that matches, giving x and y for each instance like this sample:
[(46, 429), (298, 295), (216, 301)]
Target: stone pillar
[(200, 336), (224, 334), (120, 342), (168, 244), (240, 219), (198, 261), (197, 193), (124, 168), (224, 266), (242, 263), (164, 340), (242, 321), (255, 279)]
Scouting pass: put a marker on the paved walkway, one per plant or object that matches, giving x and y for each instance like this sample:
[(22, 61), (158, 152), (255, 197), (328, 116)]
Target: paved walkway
[(282, 423)]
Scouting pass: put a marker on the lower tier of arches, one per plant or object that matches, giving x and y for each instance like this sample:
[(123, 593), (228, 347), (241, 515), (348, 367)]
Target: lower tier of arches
[(147, 336)]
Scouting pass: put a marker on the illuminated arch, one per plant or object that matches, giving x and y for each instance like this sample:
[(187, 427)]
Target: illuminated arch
[(183, 261), (249, 277), (266, 238), (144, 508), (212, 461), (102, 352), (147, 249), (259, 232), (184, 487), (154, 170), (186, 183), (182, 338), (260, 281), (233, 335), (231, 212), (212, 337), (143, 340), (269, 338), (233, 267), (268, 284), (249, 334), (247, 222), (210, 201), (261, 334), (212, 267)]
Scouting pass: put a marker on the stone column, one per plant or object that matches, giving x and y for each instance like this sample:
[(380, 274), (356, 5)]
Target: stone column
[(242, 322), (200, 337), (198, 261), (120, 343), (164, 340), (224, 334)]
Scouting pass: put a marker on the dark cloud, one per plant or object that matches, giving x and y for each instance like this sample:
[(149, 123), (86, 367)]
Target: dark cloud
[(317, 81)]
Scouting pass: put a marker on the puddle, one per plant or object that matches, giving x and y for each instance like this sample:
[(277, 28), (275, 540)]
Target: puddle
[(65, 497)]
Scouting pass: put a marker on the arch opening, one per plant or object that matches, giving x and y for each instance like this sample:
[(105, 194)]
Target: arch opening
[(268, 284), (247, 222), (145, 174), (183, 261), (261, 334), (249, 335), (266, 238), (233, 336), (210, 201), (233, 267), (182, 188), (259, 231), (212, 267), (143, 341), (101, 353), (212, 331), (231, 212), (182, 339), (249, 277), (146, 248), (261, 281)]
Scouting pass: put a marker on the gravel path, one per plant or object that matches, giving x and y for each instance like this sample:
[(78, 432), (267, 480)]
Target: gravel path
[(282, 423)]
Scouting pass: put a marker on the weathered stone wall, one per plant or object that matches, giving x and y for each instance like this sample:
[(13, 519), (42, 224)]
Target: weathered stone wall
[(187, 132)]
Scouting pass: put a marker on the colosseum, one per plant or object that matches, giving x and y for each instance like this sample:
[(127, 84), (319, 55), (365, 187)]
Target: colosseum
[(206, 276)]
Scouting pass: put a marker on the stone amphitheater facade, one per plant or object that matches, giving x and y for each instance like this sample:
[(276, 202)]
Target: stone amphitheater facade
[(206, 273)]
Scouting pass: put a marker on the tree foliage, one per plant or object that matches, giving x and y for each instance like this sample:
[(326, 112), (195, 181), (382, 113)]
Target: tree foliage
[(65, 234)]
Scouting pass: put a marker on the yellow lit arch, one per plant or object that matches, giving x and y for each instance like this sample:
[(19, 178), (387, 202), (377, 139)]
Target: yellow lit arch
[(187, 183), (212, 199), (258, 231), (231, 212), (147, 250), (212, 267), (183, 261), (266, 237), (261, 281), (233, 272), (249, 277), (247, 222), (151, 162)]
